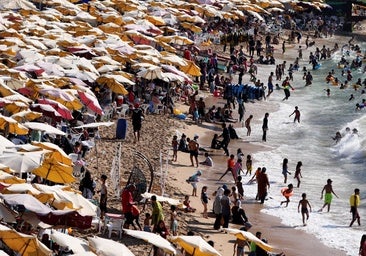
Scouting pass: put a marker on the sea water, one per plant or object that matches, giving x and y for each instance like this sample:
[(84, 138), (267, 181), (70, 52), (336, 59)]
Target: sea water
[(311, 143)]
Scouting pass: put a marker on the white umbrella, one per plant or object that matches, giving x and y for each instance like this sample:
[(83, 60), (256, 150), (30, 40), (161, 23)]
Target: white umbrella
[(44, 128), (6, 214), (4, 143), (153, 239), (108, 247), (22, 162), (151, 73), (75, 244), (95, 125)]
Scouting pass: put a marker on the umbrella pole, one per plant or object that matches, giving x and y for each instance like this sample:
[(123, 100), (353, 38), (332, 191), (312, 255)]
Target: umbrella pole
[(194, 250), (96, 154)]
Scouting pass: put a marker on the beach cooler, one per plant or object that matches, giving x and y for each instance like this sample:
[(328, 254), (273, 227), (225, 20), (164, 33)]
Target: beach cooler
[(121, 129)]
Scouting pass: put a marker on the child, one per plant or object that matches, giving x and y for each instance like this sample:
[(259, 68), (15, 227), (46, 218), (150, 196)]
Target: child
[(175, 147), (285, 169), (298, 173), (239, 185), (173, 220), (147, 227), (239, 154), (304, 208), (204, 200), (103, 196), (249, 164), (208, 161), (193, 180), (287, 192), (187, 204)]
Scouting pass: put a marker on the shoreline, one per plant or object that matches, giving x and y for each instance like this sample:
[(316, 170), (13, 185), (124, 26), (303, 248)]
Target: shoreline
[(283, 238)]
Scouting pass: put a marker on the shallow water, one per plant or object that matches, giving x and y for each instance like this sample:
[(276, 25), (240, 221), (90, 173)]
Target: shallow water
[(311, 142)]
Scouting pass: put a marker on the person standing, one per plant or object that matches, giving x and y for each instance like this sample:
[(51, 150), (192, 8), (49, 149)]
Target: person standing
[(230, 166), (247, 125), (225, 207), (173, 220), (285, 169), (270, 84), (157, 211), (263, 185), (354, 202), (286, 88), (298, 173), (103, 196), (217, 209), (204, 200), (127, 202), (137, 117), (175, 148), (297, 114), (226, 138), (328, 194), (193, 147), (265, 126)]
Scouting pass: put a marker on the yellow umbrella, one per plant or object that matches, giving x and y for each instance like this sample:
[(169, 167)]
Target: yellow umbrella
[(16, 107), (180, 40), (192, 27), (72, 105), (55, 171), (9, 179), (191, 69), (26, 115), (157, 21), (245, 235), (195, 245), (25, 245), (12, 126), (56, 153), (114, 82)]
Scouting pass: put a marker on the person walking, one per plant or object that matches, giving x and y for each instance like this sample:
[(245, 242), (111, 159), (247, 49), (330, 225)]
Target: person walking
[(298, 174), (354, 202), (265, 126), (297, 114), (226, 138), (137, 117), (304, 203), (217, 209), (328, 194)]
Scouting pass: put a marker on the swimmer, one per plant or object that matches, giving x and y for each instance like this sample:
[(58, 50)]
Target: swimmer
[(287, 193), (354, 131), (337, 137), (328, 92), (351, 97)]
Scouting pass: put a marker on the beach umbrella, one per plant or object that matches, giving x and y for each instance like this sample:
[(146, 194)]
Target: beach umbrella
[(10, 179), (46, 128), (2, 253), (6, 214), (180, 40), (15, 107), (245, 235), (108, 247), (12, 126), (157, 21), (26, 115), (151, 73), (55, 171), (95, 125), (153, 239), (61, 109), (255, 15), (4, 143), (28, 189), (75, 244), (25, 245), (165, 199), (192, 27), (90, 102), (195, 246), (22, 162), (47, 110), (191, 69), (56, 152), (114, 82)]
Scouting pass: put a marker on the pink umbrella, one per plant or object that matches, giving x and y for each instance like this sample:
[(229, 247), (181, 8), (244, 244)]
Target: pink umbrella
[(90, 102), (61, 109)]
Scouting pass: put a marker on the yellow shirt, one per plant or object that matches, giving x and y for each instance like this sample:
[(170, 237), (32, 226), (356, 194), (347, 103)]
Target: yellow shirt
[(354, 200)]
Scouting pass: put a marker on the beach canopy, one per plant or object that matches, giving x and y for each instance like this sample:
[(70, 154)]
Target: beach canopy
[(23, 244), (75, 244), (108, 247), (55, 171), (22, 162), (168, 200), (195, 245), (245, 235), (153, 239), (6, 214), (46, 128), (95, 125)]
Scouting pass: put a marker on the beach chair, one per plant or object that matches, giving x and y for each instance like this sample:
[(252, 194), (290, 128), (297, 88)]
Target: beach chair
[(124, 110), (115, 225)]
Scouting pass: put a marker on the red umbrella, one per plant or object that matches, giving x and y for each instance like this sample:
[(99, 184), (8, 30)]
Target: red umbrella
[(90, 102), (47, 110), (61, 109)]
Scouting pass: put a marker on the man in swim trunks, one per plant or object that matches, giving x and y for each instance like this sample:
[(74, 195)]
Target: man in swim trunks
[(328, 194), (304, 203)]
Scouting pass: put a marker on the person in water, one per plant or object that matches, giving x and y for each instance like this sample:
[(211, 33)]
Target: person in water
[(297, 114), (338, 137), (287, 193), (328, 194), (304, 203)]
